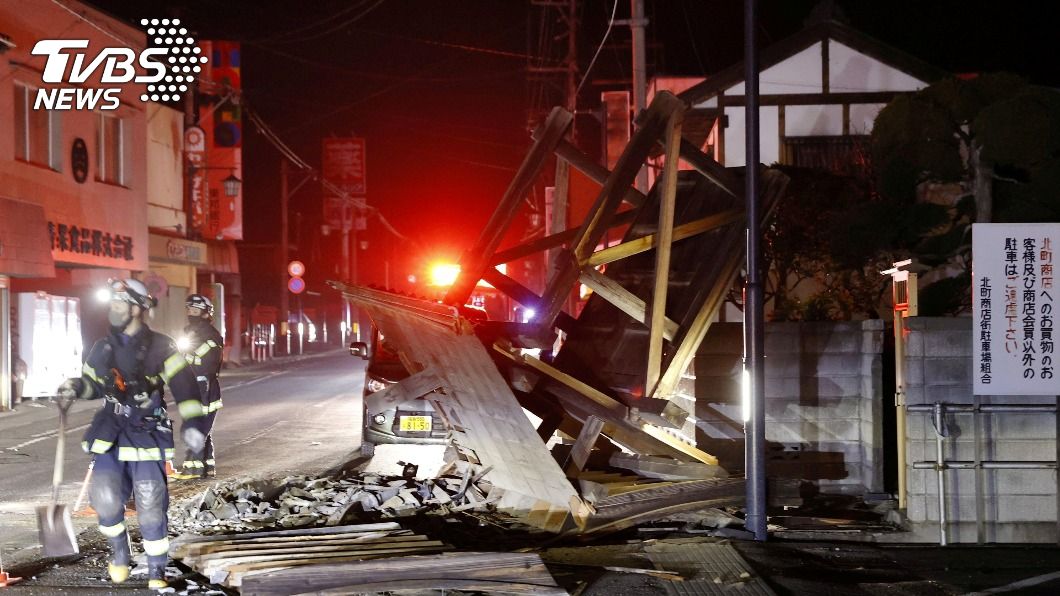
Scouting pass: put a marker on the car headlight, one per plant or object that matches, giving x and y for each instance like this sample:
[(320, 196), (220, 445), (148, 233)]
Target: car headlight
[(379, 419), (374, 385)]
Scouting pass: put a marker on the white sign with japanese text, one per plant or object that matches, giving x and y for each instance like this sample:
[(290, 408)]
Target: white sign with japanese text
[(1014, 309)]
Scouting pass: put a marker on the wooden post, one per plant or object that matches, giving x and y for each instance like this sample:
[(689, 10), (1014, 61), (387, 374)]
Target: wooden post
[(664, 235), (607, 202)]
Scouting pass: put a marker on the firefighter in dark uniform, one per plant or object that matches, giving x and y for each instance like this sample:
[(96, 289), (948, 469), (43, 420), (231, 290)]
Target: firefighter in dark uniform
[(203, 347), (131, 436)]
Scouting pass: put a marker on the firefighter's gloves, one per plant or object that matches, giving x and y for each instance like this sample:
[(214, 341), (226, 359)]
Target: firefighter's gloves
[(194, 439), (73, 388), (143, 400)]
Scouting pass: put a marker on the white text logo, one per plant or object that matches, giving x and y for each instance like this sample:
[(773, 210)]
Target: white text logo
[(167, 69)]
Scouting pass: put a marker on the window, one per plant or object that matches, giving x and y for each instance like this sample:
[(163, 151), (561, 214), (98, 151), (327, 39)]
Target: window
[(838, 154), (111, 149), (37, 132)]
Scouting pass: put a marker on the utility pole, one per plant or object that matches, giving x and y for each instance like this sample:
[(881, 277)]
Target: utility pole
[(637, 23), (285, 304), (754, 329)]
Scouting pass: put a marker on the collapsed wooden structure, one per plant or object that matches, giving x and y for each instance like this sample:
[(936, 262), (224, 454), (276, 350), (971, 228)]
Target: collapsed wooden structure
[(611, 384)]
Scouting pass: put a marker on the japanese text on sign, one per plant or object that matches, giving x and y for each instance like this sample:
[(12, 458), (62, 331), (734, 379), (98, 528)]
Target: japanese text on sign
[(1014, 309)]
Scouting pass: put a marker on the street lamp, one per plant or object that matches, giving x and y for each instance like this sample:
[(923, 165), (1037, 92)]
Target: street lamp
[(232, 184)]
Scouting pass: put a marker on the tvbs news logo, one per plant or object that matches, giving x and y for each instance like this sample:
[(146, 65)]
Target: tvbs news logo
[(168, 66)]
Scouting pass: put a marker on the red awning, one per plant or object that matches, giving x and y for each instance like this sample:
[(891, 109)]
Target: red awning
[(25, 247)]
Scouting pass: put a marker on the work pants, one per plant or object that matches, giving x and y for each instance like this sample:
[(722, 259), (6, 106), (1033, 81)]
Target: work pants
[(113, 482), (200, 463)]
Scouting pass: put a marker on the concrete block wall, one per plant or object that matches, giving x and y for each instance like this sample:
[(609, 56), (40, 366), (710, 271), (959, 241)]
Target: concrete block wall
[(1017, 505), (823, 403)]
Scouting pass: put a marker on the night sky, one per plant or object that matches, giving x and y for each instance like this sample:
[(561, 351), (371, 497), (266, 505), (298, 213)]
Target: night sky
[(446, 126)]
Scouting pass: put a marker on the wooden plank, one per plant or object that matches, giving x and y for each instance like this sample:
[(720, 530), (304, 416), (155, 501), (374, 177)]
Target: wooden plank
[(232, 575), (622, 299), (665, 231), (681, 232), (187, 539), (584, 444), (476, 261), (525, 568), (307, 550), (433, 585), (535, 246), (239, 549)]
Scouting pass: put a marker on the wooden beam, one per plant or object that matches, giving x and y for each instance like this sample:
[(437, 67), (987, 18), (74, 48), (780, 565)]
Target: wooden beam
[(557, 221), (477, 259), (536, 246), (620, 180), (614, 413), (590, 432), (524, 296), (664, 243), (681, 232), (623, 299), (710, 169), (613, 407), (596, 172), (694, 327)]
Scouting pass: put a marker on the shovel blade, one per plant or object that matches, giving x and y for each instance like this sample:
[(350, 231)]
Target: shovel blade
[(56, 531)]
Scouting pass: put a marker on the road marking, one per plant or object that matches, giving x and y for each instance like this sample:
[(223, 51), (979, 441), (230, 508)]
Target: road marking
[(1023, 583), (47, 435), (252, 381), (321, 404), (260, 433)]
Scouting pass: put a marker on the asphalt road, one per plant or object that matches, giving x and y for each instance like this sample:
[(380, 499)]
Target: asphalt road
[(299, 416)]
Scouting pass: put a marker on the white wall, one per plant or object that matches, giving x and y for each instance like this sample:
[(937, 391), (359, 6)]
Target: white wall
[(768, 128), (852, 71)]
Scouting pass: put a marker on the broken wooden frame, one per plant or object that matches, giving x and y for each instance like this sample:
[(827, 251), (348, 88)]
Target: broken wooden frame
[(576, 251), (578, 261)]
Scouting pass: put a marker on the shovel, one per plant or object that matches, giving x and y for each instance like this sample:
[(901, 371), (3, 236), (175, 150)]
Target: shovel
[(53, 520)]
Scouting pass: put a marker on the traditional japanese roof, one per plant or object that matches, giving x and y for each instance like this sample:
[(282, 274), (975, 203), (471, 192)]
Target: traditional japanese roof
[(819, 32)]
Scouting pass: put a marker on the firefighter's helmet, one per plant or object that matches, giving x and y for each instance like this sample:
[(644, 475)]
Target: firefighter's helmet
[(200, 302), (132, 291)]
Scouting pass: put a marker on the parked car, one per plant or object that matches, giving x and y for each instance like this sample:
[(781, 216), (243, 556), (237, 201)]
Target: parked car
[(414, 421)]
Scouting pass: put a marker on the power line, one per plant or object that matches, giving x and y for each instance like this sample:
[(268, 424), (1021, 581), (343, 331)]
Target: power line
[(341, 25), (316, 23), (293, 157), (610, 24)]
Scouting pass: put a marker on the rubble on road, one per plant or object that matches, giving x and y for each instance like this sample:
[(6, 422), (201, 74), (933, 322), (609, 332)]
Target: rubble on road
[(300, 501)]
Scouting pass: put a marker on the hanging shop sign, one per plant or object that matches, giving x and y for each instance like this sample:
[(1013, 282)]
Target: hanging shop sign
[(1014, 297)]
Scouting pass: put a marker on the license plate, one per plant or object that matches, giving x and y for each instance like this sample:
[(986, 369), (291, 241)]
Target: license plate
[(415, 423)]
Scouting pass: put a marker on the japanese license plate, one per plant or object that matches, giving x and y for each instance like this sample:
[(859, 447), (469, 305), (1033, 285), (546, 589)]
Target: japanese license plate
[(415, 424)]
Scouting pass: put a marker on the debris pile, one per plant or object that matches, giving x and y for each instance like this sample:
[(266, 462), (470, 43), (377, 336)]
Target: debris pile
[(300, 501)]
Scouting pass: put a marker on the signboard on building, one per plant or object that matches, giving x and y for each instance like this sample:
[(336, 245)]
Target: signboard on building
[(344, 167), (215, 215), (1014, 309)]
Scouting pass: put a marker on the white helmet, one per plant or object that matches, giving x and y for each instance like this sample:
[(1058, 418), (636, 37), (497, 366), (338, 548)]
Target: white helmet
[(132, 291)]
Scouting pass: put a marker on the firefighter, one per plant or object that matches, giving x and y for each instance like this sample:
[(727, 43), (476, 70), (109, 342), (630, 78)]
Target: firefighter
[(202, 346), (131, 436)]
